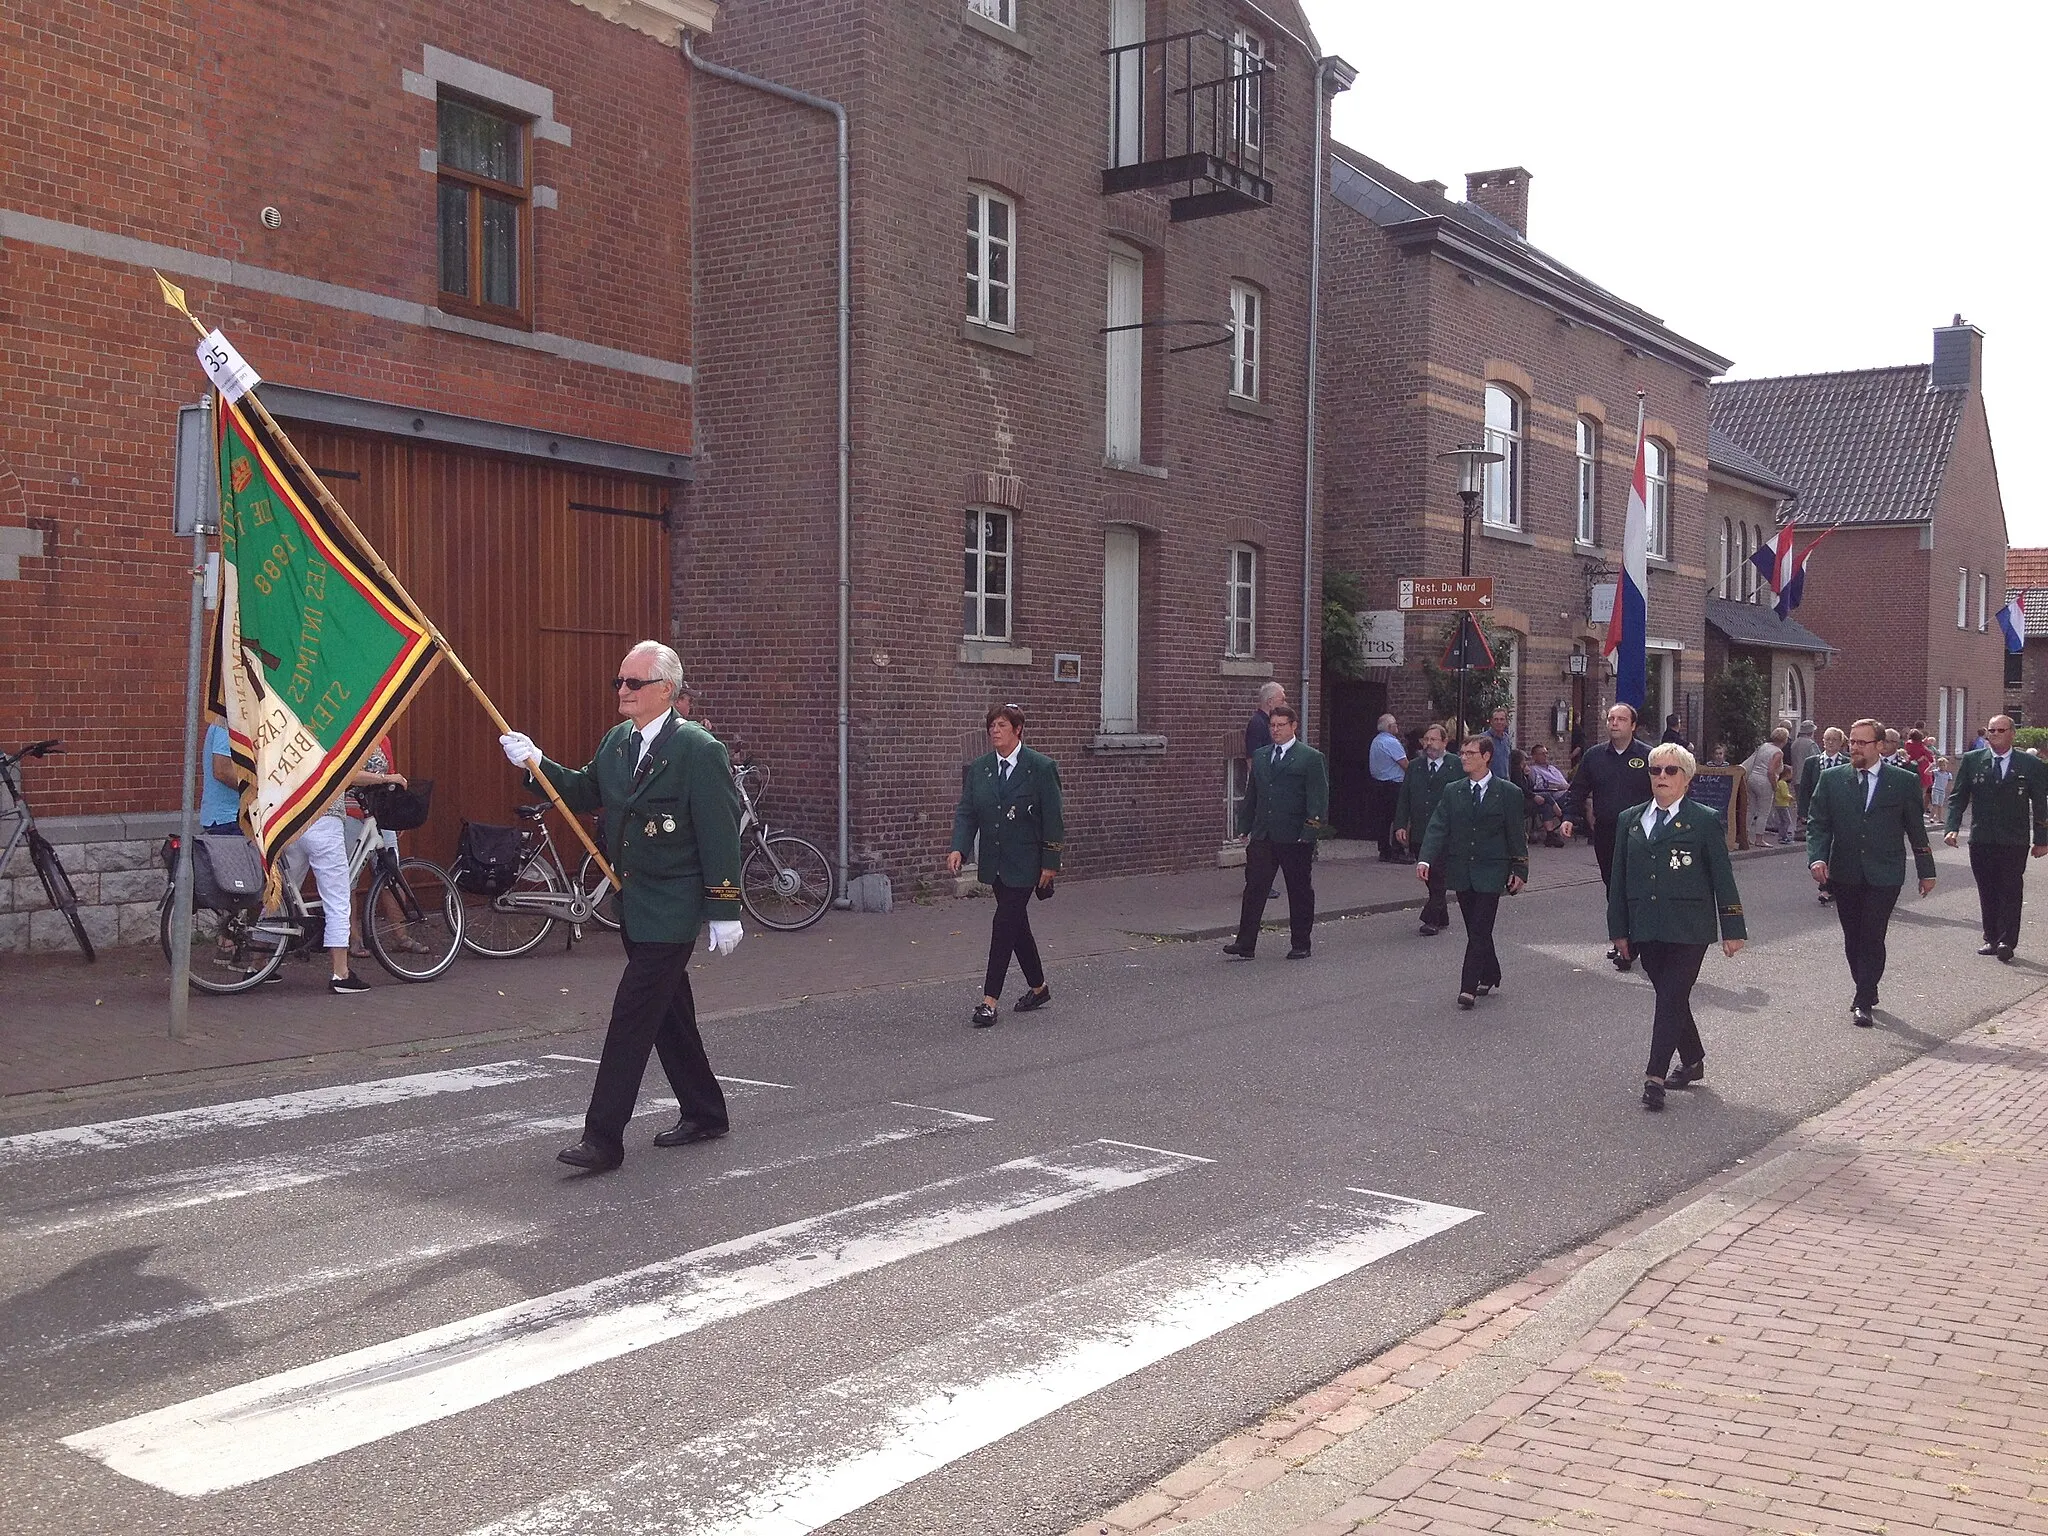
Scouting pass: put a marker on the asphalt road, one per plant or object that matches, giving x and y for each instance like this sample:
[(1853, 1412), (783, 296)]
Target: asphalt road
[(938, 1280)]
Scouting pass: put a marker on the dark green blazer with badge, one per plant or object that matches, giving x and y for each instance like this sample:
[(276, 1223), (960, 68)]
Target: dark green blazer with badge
[(1420, 791), (1287, 804), (1478, 843), (673, 838), (1677, 887), (2012, 811), (1021, 824), (1864, 847)]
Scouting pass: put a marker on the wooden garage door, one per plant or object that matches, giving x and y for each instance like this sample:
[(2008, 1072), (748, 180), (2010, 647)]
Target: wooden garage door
[(541, 578)]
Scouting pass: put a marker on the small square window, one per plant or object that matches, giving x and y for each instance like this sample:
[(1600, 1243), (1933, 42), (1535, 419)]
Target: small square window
[(985, 590), (484, 209), (991, 259), (1240, 601)]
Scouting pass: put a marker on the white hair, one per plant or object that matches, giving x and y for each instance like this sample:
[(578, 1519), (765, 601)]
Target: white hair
[(1672, 752), (1269, 692), (668, 666), (1387, 722)]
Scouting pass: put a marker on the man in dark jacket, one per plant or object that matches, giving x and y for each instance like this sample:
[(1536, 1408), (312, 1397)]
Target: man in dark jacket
[(1010, 807), (2007, 792), (1422, 787), (1478, 837), (1286, 803), (1615, 775)]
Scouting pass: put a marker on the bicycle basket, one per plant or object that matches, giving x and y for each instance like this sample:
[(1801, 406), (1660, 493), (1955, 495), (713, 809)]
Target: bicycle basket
[(227, 872), (398, 807), (487, 858)]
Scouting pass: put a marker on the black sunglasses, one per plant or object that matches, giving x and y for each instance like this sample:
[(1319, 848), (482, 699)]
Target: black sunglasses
[(1665, 768), (635, 683)]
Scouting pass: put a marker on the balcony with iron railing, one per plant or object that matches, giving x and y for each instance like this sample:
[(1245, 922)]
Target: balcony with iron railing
[(1190, 111)]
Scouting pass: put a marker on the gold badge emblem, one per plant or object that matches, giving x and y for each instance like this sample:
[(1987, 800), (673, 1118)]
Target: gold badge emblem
[(240, 476), (1637, 762)]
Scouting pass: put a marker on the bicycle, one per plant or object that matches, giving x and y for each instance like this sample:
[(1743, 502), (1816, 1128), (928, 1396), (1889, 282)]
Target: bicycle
[(518, 920), (236, 950), (56, 884)]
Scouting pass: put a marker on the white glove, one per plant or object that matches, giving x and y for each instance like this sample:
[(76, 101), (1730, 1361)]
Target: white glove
[(519, 749), (725, 937)]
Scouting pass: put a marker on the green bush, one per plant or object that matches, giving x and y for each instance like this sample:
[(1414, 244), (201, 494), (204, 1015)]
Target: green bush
[(1738, 708), (1343, 597), (1486, 688), (2030, 736)]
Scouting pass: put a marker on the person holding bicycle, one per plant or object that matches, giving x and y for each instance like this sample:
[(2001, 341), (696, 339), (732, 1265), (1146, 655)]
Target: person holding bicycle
[(671, 824)]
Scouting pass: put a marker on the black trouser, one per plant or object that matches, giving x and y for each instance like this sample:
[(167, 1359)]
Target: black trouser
[(1293, 860), (653, 1010), (1381, 796), (1009, 935), (1672, 969), (1603, 847), (1866, 912), (1482, 962), (1436, 911), (2000, 870)]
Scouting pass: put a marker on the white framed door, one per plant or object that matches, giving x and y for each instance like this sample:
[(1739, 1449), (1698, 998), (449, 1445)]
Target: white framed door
[(1124, 360), (1119, 631)]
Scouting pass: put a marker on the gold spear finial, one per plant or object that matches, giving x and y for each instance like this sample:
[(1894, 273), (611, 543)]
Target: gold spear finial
[(175, 297)]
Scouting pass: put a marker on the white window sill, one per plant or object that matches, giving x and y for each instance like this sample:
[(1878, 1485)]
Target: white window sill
[(1661, 563), (1129, 467), (1509, 535), (989, 336), (1010, 37), (1244, 666), (1131, 744), (1594, 551), (994, 653)]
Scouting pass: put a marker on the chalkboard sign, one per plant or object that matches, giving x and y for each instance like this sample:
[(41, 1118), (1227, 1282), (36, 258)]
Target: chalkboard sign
[(1723, 790)]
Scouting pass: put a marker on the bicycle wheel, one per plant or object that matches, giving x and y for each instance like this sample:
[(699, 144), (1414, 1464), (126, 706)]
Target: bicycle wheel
[(229, 953), (786, 882), (604, 899), (413, 918), (490, 930), (57, 885)]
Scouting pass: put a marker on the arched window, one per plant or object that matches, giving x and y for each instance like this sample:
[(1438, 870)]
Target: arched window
[(1727, 555), (1745, 573), (1759, 588), (1657, 486), (1587, 530), (1504, 415)]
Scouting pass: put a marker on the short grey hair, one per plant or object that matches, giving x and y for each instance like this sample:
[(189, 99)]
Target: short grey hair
[(1269, 692), (1806, 727), (1672, 752), (668, 666), (1387, 722)]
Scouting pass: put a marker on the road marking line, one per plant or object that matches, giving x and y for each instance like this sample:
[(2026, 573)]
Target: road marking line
[(1162, 1151), (932, 1109), (868, 1143), (834, 1450), (293, 1419), (588, 1061), (140, 1130), (754, 1082)]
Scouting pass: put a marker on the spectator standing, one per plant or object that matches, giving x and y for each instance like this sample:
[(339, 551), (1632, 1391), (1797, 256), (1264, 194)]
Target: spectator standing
[(220, 798), (1429, 774), (1012, 816), (1258, 731), (1387, 762), (1803, 749), (1944, 779), (1286, 804), (1496, 736), (1477, 832), (1833, 754), (1764, 767), (1674, 732), (1980, 742), (2006, 793), (1920, 758), (1547, 789), (1614, 775)]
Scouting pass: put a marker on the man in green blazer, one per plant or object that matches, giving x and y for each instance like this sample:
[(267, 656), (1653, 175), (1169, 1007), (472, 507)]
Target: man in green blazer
[(672, 828), (1010, 803), (1861, 819), (1285, 806), (1421, 788), (2008, 795), (1477, 836)]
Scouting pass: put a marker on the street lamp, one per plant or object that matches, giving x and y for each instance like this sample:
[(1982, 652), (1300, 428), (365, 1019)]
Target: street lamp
[(1473, 463)]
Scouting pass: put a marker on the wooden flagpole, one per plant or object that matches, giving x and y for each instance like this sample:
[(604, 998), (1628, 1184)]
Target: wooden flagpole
[(175, 297)]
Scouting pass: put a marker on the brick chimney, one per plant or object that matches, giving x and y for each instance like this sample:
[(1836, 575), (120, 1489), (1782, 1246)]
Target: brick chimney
[(1958, 356), (1503, 193), (1436, 187)]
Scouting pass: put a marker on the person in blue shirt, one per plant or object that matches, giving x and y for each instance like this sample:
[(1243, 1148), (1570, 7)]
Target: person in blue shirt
[(1496, 736), (1387, 764), (220, 800)]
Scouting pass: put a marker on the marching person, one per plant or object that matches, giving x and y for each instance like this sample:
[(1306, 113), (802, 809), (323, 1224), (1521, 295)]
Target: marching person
[(1833, 754), (1615, 774), (2008, 795), (1258, 732), (1286, 801), (1859, 813), (1424, 785), (1477, 835), (1010, 800), (1673, 883), (672, 829)]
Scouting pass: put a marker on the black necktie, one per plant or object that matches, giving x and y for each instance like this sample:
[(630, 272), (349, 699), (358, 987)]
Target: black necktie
[(1657, 824), (649, 748), (1478, 794), (1869, 779), (2001, 770)]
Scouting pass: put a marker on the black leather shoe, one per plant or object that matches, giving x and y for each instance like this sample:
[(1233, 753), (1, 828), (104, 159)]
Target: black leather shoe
[(1653, 1095), (984, 1015), (591, 1157), (1624, 964), (1987, 949), (1686, 1076), (1299, 952), (2005, 953), (1466, 1000), (1033, 1000), (1488, 986), (1860, 1017), (1237, 951), (686, 1130), (1429, 932)]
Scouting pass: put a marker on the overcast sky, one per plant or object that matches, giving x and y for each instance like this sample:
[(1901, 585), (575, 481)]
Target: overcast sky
[(1800, 186)]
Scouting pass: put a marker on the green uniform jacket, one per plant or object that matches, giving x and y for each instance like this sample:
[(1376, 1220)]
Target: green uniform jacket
[(2012, 811), (1479, 846), (675, 841), (1674, 887), (1288, 804), (1862, 847), (1809, 775), (1420, 791), (1021, 824)]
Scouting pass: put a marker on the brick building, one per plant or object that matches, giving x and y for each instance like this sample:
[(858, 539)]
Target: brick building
[(1898, 462), (2026, 671), (1086, 389), (446, 237), (1443, 325)]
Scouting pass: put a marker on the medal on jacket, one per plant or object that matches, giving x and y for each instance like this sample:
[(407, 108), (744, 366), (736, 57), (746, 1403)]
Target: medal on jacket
[(1013, 813), (668, 823), (648, 830)]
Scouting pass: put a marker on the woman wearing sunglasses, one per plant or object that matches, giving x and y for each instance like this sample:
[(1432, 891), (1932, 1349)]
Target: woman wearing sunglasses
[(1672, 894)]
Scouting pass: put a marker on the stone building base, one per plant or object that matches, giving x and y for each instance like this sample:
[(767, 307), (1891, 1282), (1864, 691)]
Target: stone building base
[(113, 865)]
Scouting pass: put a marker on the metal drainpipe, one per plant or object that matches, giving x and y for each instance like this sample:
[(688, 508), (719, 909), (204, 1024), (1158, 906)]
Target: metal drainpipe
[(820, 104)]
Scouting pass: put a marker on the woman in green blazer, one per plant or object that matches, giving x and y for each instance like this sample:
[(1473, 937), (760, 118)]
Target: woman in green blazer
[(1672, 893), (1010, 814)]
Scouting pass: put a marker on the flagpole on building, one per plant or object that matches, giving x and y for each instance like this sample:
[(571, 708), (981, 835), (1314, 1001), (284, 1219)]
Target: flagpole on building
[(175, 297)]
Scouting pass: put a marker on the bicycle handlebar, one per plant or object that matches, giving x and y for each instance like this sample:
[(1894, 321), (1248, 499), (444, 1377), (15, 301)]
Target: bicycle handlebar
[(33, 749)]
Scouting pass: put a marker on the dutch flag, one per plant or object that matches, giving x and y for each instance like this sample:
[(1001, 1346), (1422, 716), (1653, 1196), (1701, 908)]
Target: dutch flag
[(1628, 627), (2012, 618)]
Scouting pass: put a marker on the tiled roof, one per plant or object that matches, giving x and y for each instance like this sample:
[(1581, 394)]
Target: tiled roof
[(1758, 624), (1723, 452), (2026, 568), (2036, 607), (1863, 447)]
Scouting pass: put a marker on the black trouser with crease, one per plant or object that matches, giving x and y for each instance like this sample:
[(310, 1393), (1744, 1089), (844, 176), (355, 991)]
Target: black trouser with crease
[(1294, 860), (1672, 969), (1866, 913), (2000, 870), (1482, 961), (1381, 795), (1436, 909), (1011, 935), (653, 1010)]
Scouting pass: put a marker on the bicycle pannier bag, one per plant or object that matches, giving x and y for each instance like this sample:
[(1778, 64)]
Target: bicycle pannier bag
[(227, 873), (398, 807), (487, 859)]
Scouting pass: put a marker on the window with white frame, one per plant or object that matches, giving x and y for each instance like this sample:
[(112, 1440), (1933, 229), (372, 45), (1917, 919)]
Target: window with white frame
[(1657, 487), (1236, 772), (1982, 615), (1241, 601), (991, 259), (1247, 64), (1002, 12), (1587, 530), (1727, 555), (1123, 353), (1502, 506), (1962, 597), (1247, 324), (985, 594)]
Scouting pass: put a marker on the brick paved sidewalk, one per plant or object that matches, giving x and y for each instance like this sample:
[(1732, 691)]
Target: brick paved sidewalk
[(1849, 1335)]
